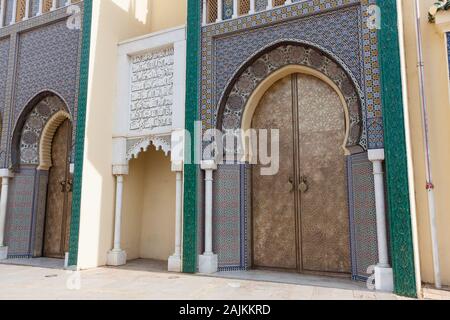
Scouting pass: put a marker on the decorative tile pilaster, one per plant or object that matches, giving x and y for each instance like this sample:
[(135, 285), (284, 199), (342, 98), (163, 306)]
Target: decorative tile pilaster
[(395, 147), (190, 170)]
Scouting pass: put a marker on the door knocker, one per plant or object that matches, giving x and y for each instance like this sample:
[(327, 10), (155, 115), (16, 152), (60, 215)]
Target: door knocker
[(303, 186)]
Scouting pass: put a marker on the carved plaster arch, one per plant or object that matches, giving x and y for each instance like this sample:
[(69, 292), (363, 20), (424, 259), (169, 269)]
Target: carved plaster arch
[(45, 145), (142, 144), (292, 56)]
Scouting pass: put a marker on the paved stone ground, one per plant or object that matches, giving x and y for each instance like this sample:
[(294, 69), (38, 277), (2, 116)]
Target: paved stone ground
[(132, 282)]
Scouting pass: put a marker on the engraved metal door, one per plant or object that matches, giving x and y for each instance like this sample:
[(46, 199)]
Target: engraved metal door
[(324, 218), (273, 199), (59, 195), (300, 215)]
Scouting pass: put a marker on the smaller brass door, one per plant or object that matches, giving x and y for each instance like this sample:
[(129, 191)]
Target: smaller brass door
[(59, 195)]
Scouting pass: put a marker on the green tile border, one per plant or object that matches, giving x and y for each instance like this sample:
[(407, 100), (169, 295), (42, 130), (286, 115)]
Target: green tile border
[(79, 139), (190, 170), (395, 148)]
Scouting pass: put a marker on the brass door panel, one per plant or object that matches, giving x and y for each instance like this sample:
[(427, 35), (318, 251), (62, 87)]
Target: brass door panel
[(273, 219), (300, 216), (325, 235), (57, 217)]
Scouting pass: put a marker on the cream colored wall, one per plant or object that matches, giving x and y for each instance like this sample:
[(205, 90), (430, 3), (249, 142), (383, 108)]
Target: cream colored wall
[(148, 222), (436, 86), (113, 21), (133, 195), (158, 212)]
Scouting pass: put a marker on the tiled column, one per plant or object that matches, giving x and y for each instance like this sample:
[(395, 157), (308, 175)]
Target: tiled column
[(208, 262), (384, 280), (117, 256), (2, 12), (5, 175), (175, 259)]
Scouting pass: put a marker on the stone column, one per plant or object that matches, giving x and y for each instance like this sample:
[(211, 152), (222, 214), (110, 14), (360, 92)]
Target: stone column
[(27, 10), (40, 8), (2, 12), (252, 7), (235, 9), (219, 10), (175, 259), (208, 262), (5, 175), (384, 280), (14, 12), (204, 13), (117, 256), (54, 5)]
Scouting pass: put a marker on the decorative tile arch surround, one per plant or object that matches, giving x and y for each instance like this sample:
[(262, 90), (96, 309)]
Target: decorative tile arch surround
[(328, 36), (337, 28)]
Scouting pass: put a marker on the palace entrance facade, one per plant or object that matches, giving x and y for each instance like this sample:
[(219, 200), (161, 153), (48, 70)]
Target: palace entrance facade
[(300, 217)]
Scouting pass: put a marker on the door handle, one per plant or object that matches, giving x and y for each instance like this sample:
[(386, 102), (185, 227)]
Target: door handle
[(291, 184), (63, 186), (303, 185), (66, 186)]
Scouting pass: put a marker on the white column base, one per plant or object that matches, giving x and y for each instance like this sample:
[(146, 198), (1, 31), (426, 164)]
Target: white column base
[(208, 263), (3, 253), (116, 258), (174, 263), (384, 279)]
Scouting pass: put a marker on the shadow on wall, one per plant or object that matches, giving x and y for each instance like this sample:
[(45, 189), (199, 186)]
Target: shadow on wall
[(113, 21)]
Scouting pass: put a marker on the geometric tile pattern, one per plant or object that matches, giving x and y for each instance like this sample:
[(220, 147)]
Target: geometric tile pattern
[(448, 49), (231, 108), (227, 216), (48, 60), (338, 28), (41, 55), (363, 223), (4, 50), (20, 214), (33, 127), (230, 216)]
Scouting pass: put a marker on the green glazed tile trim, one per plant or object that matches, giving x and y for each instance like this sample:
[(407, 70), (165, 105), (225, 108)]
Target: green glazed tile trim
[(79, 139), (395, 147), (190, 170)]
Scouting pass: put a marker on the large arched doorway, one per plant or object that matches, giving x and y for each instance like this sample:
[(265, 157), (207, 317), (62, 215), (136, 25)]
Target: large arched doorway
[(59, 195), (300, 218)]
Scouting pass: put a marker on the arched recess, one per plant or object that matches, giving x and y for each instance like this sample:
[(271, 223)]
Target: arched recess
[(242, 95), (45, 145), (30, 125)]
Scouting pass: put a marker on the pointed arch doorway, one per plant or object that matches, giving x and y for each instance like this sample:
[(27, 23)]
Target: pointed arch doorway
[(59, 194), (300, 218)]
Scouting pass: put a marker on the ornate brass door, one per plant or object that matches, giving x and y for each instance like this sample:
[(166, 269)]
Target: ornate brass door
[(300, 215), (59, 195)]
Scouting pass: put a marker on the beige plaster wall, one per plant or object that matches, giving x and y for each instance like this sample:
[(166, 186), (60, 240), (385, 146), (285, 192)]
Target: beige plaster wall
[(148, 222), (132, 208), (158, 211), (113, 21), (437, 94)]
